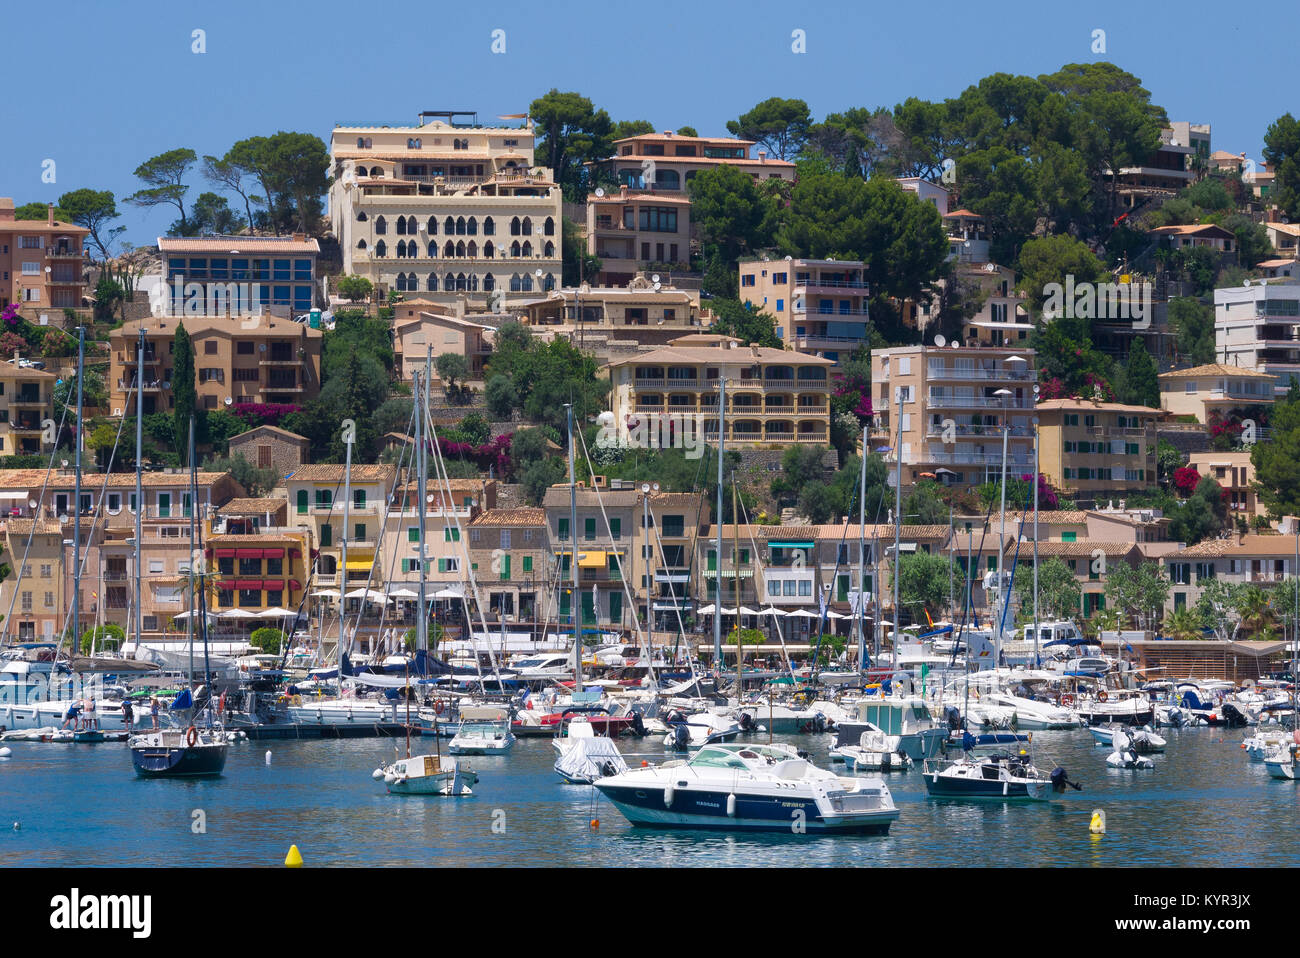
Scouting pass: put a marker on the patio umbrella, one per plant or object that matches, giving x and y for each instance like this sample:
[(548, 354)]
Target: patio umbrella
[(448, 594), (837, 615), (275, 612), (706, 610), (772, 611), (186, 615), (802, 614), (239, 614), (324, 594), (745, 611), (403, 594)]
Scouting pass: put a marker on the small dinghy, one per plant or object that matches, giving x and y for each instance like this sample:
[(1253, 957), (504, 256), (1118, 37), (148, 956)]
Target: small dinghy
[(874, 754), (1125, 755), (1144, 741)]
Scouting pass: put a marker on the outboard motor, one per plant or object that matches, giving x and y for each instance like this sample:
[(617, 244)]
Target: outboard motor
[(1060, 779), (1232, 716), (819, 723), (746, 722), (953, 717), (638, 724), (681, 737)]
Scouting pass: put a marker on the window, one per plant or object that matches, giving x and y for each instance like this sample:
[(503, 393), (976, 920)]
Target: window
[(413, 534), (615, 527), (589, 529), (450, 534), (562, 530)]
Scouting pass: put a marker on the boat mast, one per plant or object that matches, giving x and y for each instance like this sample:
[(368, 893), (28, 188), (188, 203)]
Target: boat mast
[(898, 523), (735, 569), (196, 543), (421, 468), (858, 622), (573, 559), (1037, 661), (1002, 532), (76, 500), (139, 492), (717, 606), (349, 433)]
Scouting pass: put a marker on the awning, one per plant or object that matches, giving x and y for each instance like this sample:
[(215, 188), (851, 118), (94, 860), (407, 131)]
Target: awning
[(248, 553), (362, 565), (275, 585), (791, 545), (225, 553), (295, 585), (13, 495), (249, 584), (592, 560), (272, 553), (227, 586), (295, 553)]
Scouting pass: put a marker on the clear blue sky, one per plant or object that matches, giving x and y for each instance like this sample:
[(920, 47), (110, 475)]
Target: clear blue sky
[(100, 86)]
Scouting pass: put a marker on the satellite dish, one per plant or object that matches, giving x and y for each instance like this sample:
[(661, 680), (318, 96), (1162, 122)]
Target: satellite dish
[(657, 286), (789, 259), (1245, 282), (655, 486), (31, 503), (953, 345), (599, 192), (940, 341), (654, 278), (229, 401), (65, 463), (167, 385), (645, 487), (429, 498), (261, 347)]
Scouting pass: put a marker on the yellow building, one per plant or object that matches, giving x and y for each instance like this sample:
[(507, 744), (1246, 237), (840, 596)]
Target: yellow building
[(1204, 390), (26, 398), (1097, 448)]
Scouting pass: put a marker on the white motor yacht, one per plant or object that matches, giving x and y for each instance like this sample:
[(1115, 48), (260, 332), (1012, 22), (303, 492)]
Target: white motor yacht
[(483, 730), (750, 787)]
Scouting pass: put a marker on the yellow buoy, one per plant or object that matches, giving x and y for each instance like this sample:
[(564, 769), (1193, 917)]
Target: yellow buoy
[(294, 858), (1098, 824)]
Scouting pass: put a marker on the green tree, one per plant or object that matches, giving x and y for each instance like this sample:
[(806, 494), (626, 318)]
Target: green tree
[(1139, 591), (164, 181), (354, 289), (1220, 606), (780, 126), (1192, 324), (801, 466), (1282, 153), (749, 325), (41, 211), (500, 395), (1277, 462), (1168, 458), (1002, 187), (571, 132), (451, 367), (1204, 514), (1252, 239), (580, 266), (292, 170), (926, 580), (108, 294), (685, 131), (210, 214), (924, 505), (267, 639), (1059, 594), (1143, 386), (94, 210), (225, 172), (256, 482), (730, 212), (100, 636), (184, 392), (1045, 265), (1182, 624)]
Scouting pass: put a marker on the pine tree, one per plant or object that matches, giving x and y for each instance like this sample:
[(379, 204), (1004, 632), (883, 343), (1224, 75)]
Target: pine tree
[(1143, 386), (183, 390)]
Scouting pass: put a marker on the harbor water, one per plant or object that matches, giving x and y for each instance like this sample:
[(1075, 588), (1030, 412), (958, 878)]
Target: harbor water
[(1204, 804)]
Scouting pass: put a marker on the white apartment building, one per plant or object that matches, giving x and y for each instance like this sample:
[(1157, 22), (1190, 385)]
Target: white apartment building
[(1258, 327), (446, 208)]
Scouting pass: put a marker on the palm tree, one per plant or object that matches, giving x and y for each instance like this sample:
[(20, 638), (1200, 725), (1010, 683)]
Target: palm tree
[(1256, 611), (1183, 624)]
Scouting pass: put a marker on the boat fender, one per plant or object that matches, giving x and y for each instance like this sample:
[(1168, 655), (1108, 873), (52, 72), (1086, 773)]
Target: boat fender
[(668, 796), (731, 805), (191, 736), (438, 708)]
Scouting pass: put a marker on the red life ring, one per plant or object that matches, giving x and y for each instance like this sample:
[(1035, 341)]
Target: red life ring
[(191, 736), (1067, 700), (438, 707), (1102, 696)]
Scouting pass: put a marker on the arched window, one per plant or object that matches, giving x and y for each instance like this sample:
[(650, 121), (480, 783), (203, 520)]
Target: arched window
[(449, 283), (473, 282), (401, 247), (368, 144), (412, 227), (527, 249), (514, 226), (376, 171), (460, 283), (489, 227), (550, 282), (528, 282), (471, 226), (449, 249), (472, 250), (515, 284), (401, 226), (381, 249), (361, 216), (432, 283), (549, 227), (488, 249), (550, 250), (362, 171), (412, 283), (401, 282), (449, 226), (528, 226), (667, 180), (433, 226), (381, 226), (489, 282), (361, 143), (433, 251), (460, 248), (361, 244), (460, 226)]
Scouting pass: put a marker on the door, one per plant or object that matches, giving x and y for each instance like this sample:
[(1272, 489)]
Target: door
[(616, 607)]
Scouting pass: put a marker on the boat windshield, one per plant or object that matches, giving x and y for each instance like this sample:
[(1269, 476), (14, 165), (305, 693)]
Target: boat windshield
[(717, 758)]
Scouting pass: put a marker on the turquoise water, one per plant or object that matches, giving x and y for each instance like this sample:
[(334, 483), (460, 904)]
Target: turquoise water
[(82, 805)]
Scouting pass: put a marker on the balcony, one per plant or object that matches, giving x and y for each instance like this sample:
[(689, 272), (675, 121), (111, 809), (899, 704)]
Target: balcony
[(979, 402), (803, 310), (811, 283), (996, 374), (25, 398), (975, 459), (62, 253)]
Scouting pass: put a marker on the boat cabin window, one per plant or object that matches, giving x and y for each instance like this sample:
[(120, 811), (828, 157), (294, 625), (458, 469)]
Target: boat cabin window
[(718, 758)]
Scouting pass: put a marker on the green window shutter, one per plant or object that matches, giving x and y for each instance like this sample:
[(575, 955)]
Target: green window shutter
[(359, 499), (565, 603), (616, 528), (359, 530), (1069, 536), (505, 567), (528, 563), (589, 528), (841, 588), (713, 560), (565, 563), (744, 557), (327, 535), (563, 530), (442, 565), (302, 502), (588, 609), (616, 607), (413, 534), (993, 562)]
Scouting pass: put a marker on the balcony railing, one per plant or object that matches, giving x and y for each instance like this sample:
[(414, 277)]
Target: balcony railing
[(978, 402), (997, 374), (803, 310)]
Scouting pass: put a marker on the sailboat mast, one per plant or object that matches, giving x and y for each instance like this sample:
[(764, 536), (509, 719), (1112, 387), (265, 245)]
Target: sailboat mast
[(573, 561), (194, 560), (1037, 662), (139, 492), (717, 606), (862, 561), (898, 523), (735, 569), (196, 543), (422, 620), (348, 435), (76, 499)]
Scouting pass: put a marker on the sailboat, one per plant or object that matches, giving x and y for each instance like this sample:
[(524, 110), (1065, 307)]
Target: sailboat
[(193, 751)]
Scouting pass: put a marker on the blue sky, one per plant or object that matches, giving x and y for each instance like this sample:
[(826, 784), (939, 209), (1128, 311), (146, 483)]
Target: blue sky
[(100, 86)]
